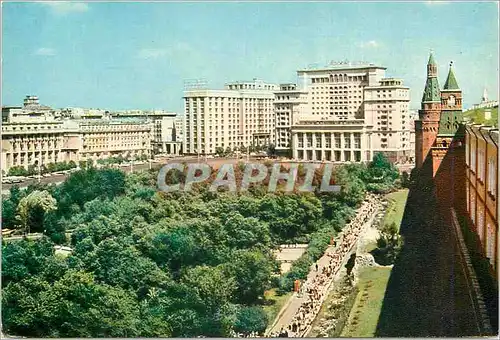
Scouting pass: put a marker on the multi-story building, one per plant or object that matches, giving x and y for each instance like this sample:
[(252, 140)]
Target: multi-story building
[(179, 129), (239, 116), (352, 111), (413, 118), (386, 108), (107, 138), (289, 103), (29, 143), (163, 134), (482, 187), (36, 134)]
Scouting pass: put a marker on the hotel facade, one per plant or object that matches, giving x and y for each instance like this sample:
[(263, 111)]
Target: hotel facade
[(346, 113), (239, 116)]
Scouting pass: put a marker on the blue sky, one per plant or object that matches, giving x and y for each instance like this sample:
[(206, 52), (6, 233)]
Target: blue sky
[(138, 55)]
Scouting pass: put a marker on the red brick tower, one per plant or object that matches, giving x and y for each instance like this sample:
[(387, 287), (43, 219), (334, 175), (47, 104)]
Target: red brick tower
[(426, 128), (448, 152)]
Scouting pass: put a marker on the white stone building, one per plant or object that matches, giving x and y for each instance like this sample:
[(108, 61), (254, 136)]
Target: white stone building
[(352, 111), (289, 103), (239, 116), (37, 134)]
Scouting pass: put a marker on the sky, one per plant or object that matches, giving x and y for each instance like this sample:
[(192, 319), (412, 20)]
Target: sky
[(133, 55)]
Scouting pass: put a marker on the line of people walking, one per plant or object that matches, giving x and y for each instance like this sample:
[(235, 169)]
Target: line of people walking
[(317, 286)]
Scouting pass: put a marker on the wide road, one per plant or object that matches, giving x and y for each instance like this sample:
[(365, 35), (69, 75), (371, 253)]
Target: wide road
[(127, 169)]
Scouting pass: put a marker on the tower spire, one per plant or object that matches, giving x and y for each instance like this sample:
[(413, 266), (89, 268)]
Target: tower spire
[(451, 81), (431, 91), (485, 95)]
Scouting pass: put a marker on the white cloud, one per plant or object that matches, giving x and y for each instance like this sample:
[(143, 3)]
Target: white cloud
[(436, 2), (369, 44), (64, 7), (45, 51)]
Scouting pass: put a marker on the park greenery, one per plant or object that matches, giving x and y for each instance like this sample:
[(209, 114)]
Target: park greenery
[(33, 169), (146, 263)]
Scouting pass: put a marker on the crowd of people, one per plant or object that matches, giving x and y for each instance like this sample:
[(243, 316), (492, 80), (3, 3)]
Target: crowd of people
[(316, 287)]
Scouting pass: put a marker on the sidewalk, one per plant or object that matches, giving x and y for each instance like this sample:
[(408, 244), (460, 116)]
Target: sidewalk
[(296, 301)]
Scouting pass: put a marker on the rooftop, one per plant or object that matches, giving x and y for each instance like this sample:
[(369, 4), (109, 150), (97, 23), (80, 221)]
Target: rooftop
[(342, 65)]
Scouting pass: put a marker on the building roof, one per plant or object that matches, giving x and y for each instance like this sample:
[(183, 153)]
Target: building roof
[(431, 59), (431, 91), (451, 82)]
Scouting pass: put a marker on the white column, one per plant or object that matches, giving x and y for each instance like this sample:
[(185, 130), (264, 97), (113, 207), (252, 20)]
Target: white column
[(295, 145), (352, 146), (304, 141), (323, 146), (314, 146), (342, 145)]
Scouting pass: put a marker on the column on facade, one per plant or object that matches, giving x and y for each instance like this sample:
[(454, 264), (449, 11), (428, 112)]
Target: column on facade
[(352, 147), (304, 143), (342, 147), (295, 145), (323, 146), (314, 147), (370, 146)]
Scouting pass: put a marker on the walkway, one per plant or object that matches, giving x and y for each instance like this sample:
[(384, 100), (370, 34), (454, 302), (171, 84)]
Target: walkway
[(321, 282)]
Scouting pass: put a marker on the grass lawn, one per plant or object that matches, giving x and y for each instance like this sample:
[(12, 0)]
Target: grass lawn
[(365, 313), (372, 282), (394, 213), (396, 207), (274, 303), (477, 116)]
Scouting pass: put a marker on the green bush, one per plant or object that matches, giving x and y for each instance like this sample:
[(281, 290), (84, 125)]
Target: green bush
[(389, 245)]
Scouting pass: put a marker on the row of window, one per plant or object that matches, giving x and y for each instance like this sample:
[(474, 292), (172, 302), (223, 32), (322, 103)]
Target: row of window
[(480, 167)]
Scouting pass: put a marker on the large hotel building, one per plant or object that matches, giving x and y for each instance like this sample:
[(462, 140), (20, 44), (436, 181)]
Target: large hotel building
[(338, 113), (239, 116), (347, 113)]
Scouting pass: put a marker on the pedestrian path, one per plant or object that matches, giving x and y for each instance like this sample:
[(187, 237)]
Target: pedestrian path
[(297, 316)]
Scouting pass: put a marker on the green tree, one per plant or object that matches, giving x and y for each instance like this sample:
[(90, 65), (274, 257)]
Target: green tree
[(251, 319), (17, 171), (32, 208), (389, 245), (252, 270), (219, 151)]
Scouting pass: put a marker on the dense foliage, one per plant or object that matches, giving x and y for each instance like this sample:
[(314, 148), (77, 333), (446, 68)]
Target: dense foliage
[(151, 264), (389, 245)]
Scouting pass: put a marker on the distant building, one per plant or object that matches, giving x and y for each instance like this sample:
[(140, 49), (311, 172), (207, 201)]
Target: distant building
[(234, 118), (37, 134), (485, 102)]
